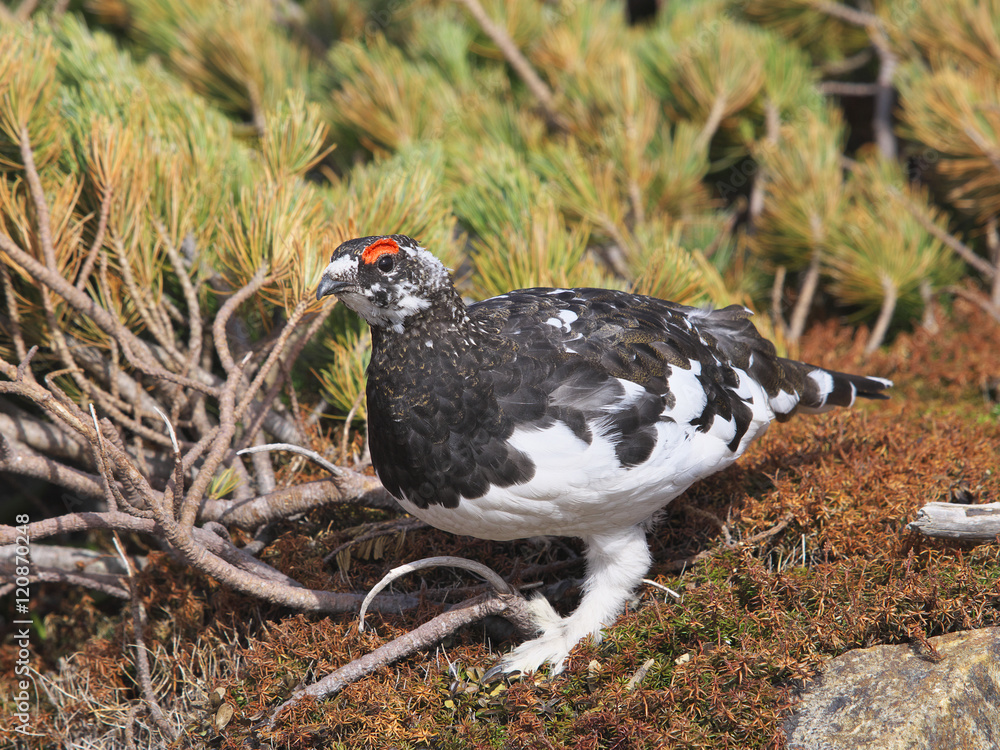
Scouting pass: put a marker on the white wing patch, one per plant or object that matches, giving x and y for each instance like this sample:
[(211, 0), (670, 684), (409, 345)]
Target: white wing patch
[(689, 393), (568, 317), (824, 383), (562, 320), (784, 402)]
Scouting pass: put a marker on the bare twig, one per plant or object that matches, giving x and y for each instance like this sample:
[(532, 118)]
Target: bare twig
[(152, 316), (106, 584), (256, 579), (174, 491), (308, 453), (141, 658), (43, 220), (713, 120), (347, 423), (95, 361), (221, 445), (852, 16), (724, 234), (226, 312), (777, 294), (848, 64), (772, 121), (666, 589), (847, 88), (885, 137), (102, 225), (262, 466), (349, 488), (884, 91), (190, 297), (265, 415), (13, 314), (116, 409), (984, 146), (980, 300), (499, 584), (70, 559), (510, 606), (50, 438), (111, 493), (272, 358), (51, 399), (810, 282)]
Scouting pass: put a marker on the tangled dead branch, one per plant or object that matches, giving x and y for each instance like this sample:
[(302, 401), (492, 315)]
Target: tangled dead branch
[(135, 424)]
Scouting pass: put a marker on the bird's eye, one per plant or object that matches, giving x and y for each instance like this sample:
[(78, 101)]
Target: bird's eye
[(385, 263)]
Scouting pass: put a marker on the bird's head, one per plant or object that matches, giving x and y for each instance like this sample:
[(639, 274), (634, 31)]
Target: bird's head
[(385, 279)]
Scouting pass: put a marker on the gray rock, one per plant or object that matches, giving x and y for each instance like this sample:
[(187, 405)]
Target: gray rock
[(895, 697)]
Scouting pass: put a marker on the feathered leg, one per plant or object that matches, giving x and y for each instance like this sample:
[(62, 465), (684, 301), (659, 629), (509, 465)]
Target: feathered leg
[(616, 563)]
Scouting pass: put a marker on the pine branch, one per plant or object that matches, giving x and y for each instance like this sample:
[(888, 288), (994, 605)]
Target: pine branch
[(106, 584), (846, 13), (885, 138), (800, 313), (847, 88), (17, 458), (350, 488), (136, 350), (881, 326), (541, 92), (965, 252), (848, 64)]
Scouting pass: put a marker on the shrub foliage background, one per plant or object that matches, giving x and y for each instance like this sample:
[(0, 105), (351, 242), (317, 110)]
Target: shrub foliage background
[(701, 155)]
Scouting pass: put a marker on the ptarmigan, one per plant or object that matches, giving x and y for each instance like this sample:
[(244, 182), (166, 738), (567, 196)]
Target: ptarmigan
[(569, 412)]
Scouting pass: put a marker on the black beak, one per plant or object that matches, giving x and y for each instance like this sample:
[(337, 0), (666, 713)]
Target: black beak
[(329, 286)]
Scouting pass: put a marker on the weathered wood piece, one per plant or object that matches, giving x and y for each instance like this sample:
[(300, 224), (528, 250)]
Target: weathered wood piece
[(973, 523)]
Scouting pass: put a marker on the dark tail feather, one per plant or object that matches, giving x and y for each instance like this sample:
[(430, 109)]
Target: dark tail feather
[(820, 390), (791, 386)]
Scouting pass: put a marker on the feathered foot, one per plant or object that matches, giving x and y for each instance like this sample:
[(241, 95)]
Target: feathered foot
[(616, 564)]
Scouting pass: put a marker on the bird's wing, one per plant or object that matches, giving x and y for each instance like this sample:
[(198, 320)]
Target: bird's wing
[(632, 361)]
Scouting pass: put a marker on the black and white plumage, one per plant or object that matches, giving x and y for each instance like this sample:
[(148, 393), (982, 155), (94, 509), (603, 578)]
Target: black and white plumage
[(569, 412)]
